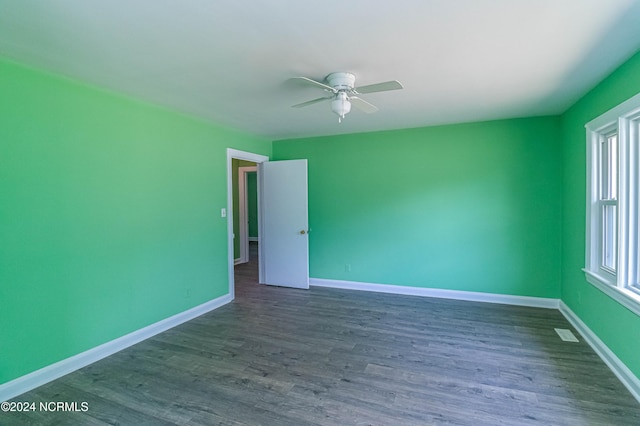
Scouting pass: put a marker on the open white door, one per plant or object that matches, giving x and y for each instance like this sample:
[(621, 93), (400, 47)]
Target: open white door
[(284, 225)]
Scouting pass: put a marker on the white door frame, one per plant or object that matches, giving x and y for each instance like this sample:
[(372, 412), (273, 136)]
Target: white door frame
[(243, 213), (239, 155)]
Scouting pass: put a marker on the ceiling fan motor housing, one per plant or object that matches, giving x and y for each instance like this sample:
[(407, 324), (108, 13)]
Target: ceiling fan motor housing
[(341, 80)]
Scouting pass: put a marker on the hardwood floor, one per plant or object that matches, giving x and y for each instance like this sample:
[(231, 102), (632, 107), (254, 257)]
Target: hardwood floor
[(278, 356)]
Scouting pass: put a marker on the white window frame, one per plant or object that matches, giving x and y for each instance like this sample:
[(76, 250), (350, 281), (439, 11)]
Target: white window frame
[(623, 284)]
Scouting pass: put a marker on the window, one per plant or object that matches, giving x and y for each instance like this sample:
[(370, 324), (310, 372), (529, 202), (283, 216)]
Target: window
[(613, 203), (608, 202)]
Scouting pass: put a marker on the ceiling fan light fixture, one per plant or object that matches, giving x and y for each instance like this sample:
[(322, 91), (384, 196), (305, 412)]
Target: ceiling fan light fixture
[(343, 93), (341, 105)]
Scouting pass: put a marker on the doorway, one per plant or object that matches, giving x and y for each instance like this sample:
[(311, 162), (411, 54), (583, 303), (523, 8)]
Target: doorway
[(255, 160), (283, 253), (245, 219)]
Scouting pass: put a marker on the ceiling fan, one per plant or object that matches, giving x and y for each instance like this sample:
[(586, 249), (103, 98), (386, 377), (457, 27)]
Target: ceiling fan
[(342, 93)]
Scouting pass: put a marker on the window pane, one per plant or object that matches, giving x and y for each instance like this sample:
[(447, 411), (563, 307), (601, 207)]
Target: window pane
[(609, 168), (609, 237), (613, 166), (604, 169)]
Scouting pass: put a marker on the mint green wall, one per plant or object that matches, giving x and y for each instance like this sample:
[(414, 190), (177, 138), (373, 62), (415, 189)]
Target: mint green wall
[(252, 200), (615, 325), (472, 207), (109, 216)]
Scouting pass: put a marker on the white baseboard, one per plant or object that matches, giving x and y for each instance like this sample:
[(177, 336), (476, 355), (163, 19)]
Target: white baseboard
[(54, 371), (621, 371), (536, 302)]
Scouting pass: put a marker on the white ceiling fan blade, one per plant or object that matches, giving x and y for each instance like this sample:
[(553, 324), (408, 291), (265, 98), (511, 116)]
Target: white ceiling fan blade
[(380, 87), (363, 105), (316, 83), (311, 102)]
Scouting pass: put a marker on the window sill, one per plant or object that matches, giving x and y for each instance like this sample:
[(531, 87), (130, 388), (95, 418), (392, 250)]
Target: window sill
[(626, 298)]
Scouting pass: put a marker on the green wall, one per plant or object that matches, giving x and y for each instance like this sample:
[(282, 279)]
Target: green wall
[(472, 207), (615, 325), (252, 200), (109, 216)]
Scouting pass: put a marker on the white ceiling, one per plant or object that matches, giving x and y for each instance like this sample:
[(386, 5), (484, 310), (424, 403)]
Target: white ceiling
[(230, 61)]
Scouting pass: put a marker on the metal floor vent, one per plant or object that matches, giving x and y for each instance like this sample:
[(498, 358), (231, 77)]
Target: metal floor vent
[(566, 335)]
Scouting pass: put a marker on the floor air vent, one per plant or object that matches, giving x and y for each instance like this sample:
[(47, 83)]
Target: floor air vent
[(566, 335)]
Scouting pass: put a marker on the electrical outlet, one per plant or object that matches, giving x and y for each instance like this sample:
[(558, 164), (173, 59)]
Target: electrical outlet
[(347, 267)]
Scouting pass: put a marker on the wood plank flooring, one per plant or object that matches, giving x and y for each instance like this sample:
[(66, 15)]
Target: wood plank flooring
[(278, 356)]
